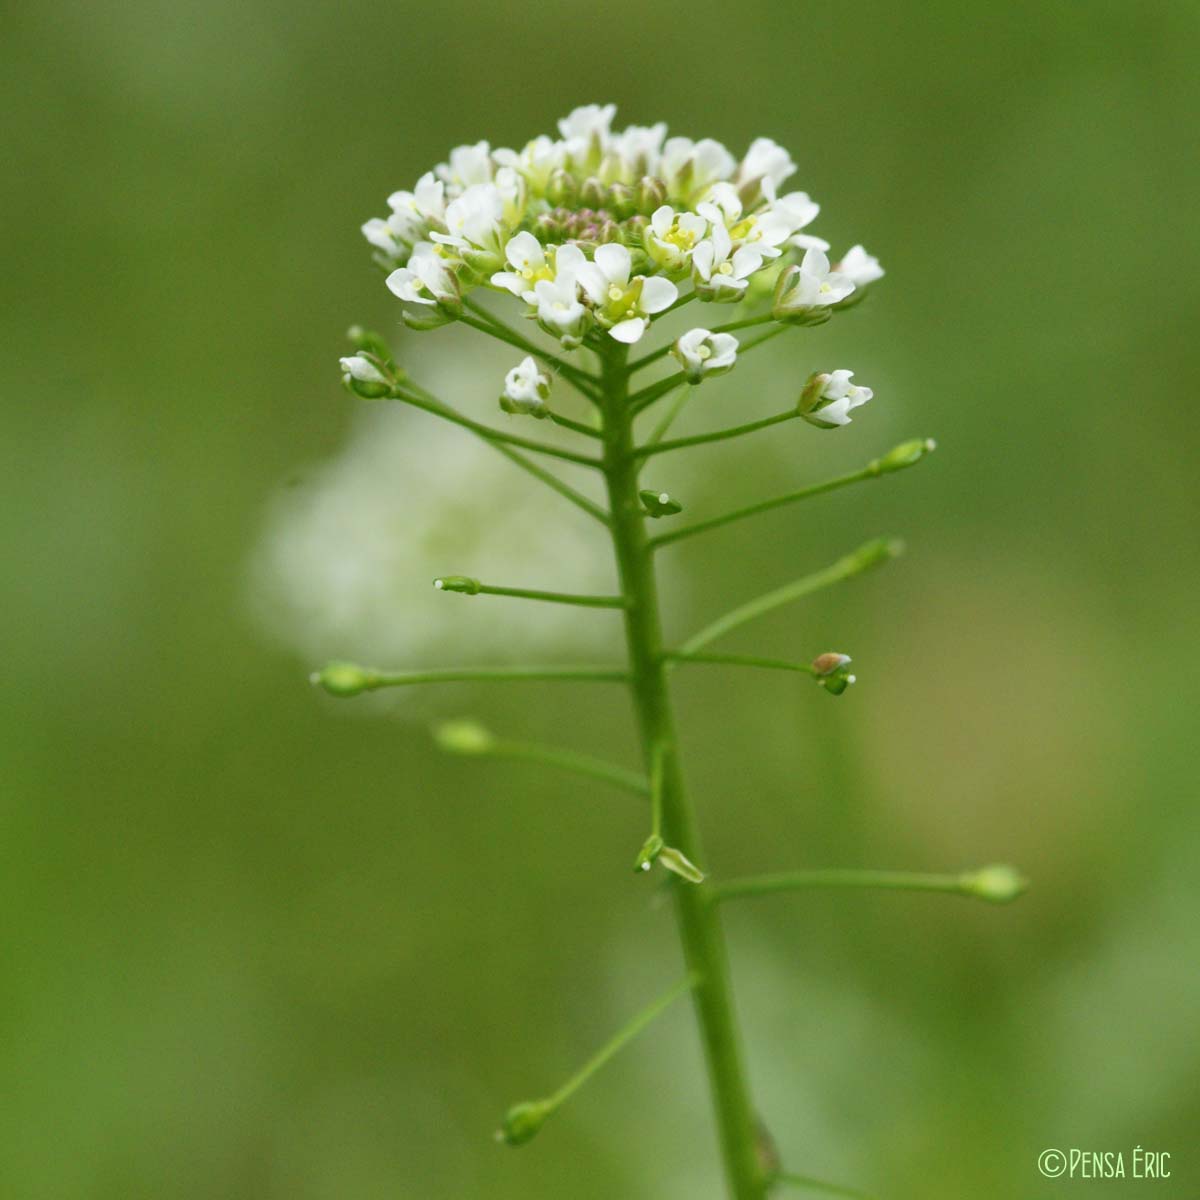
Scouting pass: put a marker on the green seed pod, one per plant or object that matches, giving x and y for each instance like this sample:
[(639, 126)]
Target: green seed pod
[(522, 1122), (464, 737), (651, 849), (677, 861), (659, 504), (997, 884), (907, 454), (457, 583), (344, 679)]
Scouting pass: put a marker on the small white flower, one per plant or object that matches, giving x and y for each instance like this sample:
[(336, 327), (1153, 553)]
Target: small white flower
[(767, 163), (468, 165), (361, 369), (426, 280), (636, 151), (703, 354), (473, 220), (828, 399), (718, 271), (536, 162), (526, 388), (530, 264), (559, 309), (690, 168), (586, 135), (860, 267), (623, 306), (671, 237), (425, 205), (379, 233), (810, 286)]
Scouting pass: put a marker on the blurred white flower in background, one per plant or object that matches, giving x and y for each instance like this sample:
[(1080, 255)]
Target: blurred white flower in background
[(345, 564)]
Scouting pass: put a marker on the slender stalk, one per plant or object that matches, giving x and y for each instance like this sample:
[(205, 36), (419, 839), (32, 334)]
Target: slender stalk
[(569, 760), (366, 679), (575, 426), (762, 506), (476, 588), (668, 418), (487, 322), (791, 881), (741, 660), (642, 400), (553, 482), (719, 435), (863, 559), (435, 406), (699, 926), (621, 1039), (490, 434)]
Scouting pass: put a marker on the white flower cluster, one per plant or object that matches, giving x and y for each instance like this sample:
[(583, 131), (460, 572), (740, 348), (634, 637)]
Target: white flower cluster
[(593, 230)]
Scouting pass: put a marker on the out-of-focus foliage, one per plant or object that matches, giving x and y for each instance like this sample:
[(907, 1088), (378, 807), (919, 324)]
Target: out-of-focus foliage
[(255, 947)]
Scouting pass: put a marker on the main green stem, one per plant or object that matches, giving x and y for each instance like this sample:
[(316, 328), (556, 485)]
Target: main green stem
[(699, 920)]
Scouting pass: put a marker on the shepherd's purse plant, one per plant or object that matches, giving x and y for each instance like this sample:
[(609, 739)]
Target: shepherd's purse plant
[(592, 237)]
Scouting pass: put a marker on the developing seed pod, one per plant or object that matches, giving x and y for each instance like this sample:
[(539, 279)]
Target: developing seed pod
[(522, 1122), (457, 583), (997, 884), (659, 504), (344, 679)]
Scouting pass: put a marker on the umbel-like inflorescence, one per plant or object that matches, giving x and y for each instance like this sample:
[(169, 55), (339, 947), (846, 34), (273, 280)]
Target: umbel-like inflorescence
[(594, 232), (593, 236)]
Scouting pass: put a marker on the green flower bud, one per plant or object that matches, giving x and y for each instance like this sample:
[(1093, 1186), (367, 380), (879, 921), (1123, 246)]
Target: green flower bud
[(677, 861), (831, 672), (621, 200), (593, 193), (464, 737), (562, 189), (484, 263), (651, 849), (344, 679), (907, 454), (651, 195), (659, 504), (522, 1122), (997, 884), (608, 231)]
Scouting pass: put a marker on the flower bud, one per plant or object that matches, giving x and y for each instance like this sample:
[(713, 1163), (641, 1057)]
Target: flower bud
[(651, 849), (907, 454), (831, 673), (547, 228), (607, 231), (363, 375), (997, 884), (467, 738), (522, 1122), (344, 679), (457, 583), (593, 193), (677, 861), (367, 342), (484, 263), (621, 200), (828, 399), (651, 194), (526, 389), (704, 355), (659, 504), (562, 189)]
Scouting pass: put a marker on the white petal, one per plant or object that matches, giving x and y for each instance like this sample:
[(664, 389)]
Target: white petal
[(629, 331), (613, 259), (657, 294), (593, 281)]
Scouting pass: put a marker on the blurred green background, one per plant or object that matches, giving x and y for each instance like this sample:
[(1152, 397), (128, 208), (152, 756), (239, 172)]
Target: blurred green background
[(256, 946)]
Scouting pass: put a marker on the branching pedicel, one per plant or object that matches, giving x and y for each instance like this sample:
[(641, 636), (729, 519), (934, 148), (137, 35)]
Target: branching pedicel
[(595, 235)]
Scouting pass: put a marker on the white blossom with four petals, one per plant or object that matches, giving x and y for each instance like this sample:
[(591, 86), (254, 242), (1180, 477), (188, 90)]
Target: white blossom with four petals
[(526, 389), (703, 354), (828, 399), (622, 305)]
